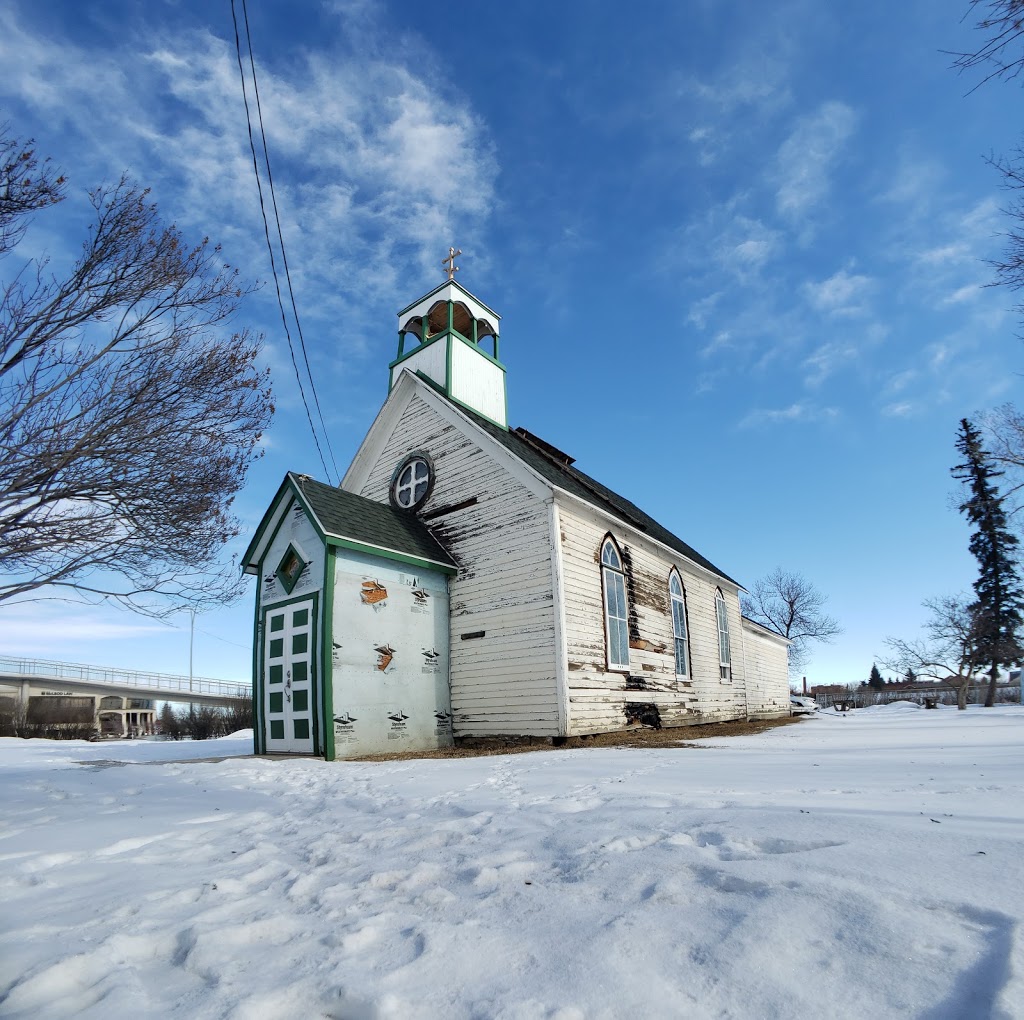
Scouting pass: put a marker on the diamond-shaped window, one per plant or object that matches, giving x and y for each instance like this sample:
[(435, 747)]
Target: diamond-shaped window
[(289, 570)]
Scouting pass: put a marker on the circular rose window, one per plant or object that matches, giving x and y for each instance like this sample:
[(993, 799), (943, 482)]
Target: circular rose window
[(412, 481)]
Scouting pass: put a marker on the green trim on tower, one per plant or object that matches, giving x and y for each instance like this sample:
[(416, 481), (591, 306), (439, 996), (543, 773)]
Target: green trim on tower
[(448, 366), (461, 403), (479, 350), (476, 382), (443, 286), (327, 652), (416, 350)]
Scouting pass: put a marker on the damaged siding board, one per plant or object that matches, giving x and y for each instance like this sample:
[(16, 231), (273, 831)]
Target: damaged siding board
[(500, 698), (502, 683), (597, 696)]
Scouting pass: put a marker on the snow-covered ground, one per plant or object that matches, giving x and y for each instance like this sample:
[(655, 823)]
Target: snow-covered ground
[(862, 866)]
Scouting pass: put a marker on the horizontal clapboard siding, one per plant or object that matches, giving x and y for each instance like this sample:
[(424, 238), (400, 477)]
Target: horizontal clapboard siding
[(767, 673), (503, 683), (598, 697)]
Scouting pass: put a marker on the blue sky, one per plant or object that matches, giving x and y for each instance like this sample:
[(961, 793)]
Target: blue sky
[(737, 248)]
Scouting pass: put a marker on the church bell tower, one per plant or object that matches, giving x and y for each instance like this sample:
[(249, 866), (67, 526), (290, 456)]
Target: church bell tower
[(441, 338)]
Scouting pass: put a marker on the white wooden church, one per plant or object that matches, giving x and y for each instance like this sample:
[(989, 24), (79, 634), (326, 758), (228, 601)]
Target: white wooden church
[(467, 579)]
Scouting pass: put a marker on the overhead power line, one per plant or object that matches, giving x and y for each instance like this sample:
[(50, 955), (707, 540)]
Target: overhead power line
[(280, 239)]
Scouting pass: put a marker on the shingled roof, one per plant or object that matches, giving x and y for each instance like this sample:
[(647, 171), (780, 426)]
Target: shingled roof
[(346, 515), (558, 469)]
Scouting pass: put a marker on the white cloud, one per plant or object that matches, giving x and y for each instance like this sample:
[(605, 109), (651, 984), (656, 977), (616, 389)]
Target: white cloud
[(806, 158), (843, 293), (755, 78), (796, 413), (374, 169), (745, 245), (938, 355), (969, 292), (28, 628), (945, 253), (983, 220), (722, 340), (915, 183), (826, 361), (749, 86), (700, 311), (752, 251), (900, 381), (708, 144), (901, 409)]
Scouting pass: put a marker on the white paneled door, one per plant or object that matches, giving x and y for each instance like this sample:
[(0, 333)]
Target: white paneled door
[(288, 640)]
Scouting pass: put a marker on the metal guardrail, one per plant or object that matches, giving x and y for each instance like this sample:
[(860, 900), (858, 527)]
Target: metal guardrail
[(122, 677)]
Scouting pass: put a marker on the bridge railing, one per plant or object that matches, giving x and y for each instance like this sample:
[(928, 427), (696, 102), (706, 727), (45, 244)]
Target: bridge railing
[(122, 677)]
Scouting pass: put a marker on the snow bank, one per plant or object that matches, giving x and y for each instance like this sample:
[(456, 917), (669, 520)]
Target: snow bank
[(70, 752), (863, 864)]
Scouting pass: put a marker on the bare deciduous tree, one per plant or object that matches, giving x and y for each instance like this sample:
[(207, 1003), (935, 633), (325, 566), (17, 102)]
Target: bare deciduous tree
[(1005, 435), (790, 605), (26, 185), (1001, 54), (128, 413), (951, 650)]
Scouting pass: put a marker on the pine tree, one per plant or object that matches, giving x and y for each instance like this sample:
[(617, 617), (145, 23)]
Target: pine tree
[(999, 605), (875, 681), (910, 676), (170, 724)]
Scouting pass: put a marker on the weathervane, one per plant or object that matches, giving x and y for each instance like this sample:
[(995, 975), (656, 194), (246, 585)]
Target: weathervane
[(449, 263)]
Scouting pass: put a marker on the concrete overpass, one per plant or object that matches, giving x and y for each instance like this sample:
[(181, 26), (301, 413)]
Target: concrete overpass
[(25, 678)]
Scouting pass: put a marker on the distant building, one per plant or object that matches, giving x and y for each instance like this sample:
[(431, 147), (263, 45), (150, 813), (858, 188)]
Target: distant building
[(48, 709)]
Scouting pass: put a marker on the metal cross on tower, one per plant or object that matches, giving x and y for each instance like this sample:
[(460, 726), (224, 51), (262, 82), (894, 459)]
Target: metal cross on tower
[(449, 263)]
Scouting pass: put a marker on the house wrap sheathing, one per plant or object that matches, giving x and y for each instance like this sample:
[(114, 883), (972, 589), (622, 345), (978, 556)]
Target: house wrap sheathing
[(547, 604)]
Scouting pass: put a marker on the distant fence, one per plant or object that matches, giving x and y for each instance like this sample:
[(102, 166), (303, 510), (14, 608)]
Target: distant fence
[(861, 697), (47, 669)]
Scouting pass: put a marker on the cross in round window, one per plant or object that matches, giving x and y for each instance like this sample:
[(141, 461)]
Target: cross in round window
[(412, 481)]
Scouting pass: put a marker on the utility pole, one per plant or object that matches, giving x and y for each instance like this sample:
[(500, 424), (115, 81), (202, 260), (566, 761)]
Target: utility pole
[(191, 645)]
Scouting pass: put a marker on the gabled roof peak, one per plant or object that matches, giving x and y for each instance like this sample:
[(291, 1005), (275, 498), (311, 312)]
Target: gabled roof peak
[(453, 291)]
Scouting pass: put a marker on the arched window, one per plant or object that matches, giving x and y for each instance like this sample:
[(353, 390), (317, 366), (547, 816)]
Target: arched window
[(677, 597), (462, 319), (616, 614), (437, 318), (724, 652)]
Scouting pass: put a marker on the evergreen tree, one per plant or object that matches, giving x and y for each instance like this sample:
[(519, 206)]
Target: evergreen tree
[(999, 605), (910, 676), (875, 681), (170, 724)]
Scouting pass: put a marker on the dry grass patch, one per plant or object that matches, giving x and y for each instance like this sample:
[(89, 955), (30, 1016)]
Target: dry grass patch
[(640, 736)]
